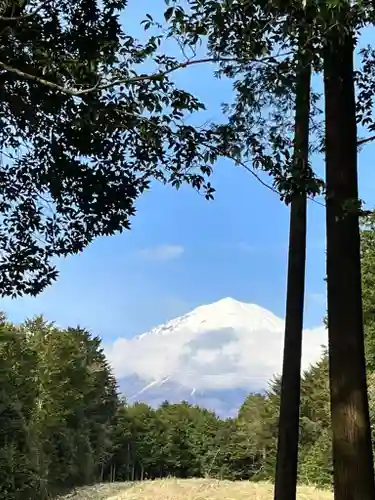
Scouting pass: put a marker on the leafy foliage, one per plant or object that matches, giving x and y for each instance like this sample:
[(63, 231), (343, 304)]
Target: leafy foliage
[(368, 286), (57, 409), (83, 132), (257, 47)]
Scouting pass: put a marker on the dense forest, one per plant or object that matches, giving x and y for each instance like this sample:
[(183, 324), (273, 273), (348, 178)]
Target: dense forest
[(64, 423)]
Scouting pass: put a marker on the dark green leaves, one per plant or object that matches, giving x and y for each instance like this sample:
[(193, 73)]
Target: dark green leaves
[(57, 410), (72, 167)]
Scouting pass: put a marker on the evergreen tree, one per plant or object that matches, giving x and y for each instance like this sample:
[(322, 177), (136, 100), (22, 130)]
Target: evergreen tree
[(58, 409), (368, 286)]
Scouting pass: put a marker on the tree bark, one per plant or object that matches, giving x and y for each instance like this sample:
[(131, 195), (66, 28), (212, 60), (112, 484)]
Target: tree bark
[(287, 449), (352, 450)]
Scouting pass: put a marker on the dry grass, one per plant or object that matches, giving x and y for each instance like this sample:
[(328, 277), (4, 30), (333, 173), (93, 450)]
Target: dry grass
[(194, 489), (98, 492)]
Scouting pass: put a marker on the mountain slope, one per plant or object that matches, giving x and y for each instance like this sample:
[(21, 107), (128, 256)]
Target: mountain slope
[(213, 356)]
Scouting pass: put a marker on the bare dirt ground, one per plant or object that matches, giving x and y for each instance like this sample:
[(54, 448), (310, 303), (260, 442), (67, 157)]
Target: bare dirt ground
[(191, 489)]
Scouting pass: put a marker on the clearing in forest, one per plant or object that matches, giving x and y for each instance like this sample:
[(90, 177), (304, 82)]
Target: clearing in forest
[(191, 489)]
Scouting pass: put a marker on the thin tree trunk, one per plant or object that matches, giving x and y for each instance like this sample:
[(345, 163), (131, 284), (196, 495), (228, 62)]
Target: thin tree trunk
[(287, 449), (128, 464), (352, 450)]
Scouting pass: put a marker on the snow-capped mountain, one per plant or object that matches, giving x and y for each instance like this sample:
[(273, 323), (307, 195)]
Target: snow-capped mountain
[(213, 356)]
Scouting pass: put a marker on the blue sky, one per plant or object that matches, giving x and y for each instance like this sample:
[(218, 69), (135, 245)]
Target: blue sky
[(183, 251)]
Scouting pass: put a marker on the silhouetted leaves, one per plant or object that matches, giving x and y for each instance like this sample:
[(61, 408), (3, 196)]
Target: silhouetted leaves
[(75, 160)]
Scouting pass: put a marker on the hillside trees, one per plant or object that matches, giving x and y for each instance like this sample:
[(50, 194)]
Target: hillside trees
[(57, 410), (254, 441), (315, 423), (368, 286), (18, 393)]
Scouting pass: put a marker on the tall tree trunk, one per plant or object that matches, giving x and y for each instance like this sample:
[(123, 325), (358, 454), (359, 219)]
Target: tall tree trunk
[(352, 450), (287, 449)]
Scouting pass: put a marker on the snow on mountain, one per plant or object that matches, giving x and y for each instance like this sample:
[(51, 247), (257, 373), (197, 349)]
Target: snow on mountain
[(214, 356)]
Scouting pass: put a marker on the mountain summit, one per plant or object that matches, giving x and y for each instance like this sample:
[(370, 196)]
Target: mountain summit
[(213, 356)]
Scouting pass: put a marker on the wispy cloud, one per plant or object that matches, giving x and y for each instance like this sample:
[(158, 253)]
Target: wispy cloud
[(317, 244), (276, 247), (162, 253), (245, 247), (317, 298)]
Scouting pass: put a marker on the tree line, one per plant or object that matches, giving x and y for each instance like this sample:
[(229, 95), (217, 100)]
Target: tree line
[(65, 424)]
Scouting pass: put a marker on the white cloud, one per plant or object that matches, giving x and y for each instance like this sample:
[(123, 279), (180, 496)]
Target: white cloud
[(162, 252), (246, 247), (212, 348)]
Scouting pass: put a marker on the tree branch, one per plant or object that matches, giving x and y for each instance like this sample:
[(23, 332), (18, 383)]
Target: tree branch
[(46, 83), (226, 155), (121, 81), (25, 16), (367, 139)]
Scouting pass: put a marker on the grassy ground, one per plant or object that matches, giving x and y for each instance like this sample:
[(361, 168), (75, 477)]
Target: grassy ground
[(195, 489), (98, 492)]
